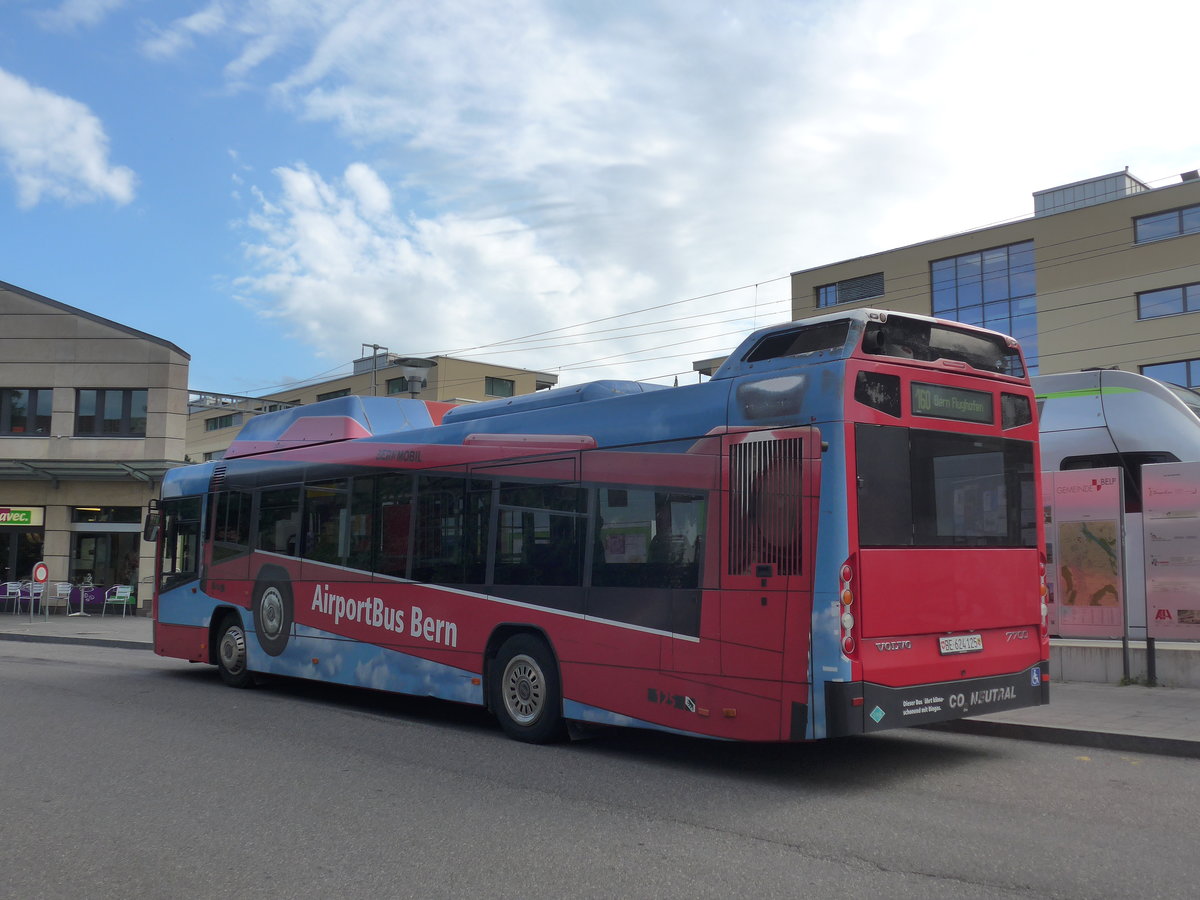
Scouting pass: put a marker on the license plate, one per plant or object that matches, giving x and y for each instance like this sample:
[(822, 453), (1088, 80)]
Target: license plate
[(960, 643)]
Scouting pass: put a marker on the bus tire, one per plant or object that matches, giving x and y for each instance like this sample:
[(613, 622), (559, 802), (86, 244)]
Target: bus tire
[(231, 654), (272, 614), (526, 690)]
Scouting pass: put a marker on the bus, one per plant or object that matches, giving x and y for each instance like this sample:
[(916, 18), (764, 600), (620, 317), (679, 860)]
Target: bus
[(1109, 418), (838, 533)]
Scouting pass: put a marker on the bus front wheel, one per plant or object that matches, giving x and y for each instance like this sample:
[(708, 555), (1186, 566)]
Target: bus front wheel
[(231, 655), (526, 691)]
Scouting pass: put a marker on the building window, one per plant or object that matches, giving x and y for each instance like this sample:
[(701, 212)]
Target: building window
[(498, 387), (1184, 372), (110, 412), (210, 455), (216, 423), (124, 515), (1169, 301), (333, 395), (993, 288), (25, 410), (851, 290), (1167, 224)]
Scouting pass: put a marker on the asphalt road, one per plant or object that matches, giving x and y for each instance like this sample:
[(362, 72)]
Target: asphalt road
[(127, 775)]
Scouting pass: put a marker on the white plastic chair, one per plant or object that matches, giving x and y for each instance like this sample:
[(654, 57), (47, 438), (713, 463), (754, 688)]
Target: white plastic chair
[(62, 594), (118, 593), (35, 591), (11, 590)]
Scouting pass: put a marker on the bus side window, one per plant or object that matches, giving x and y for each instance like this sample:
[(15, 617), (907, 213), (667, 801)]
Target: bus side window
[(394, 524), (451, 528), (327, 522), (181, 541), (362, 519), (648, 538), (231, 524), (278, 525), (540, 534)]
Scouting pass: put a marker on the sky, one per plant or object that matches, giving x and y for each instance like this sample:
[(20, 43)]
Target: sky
[(593, 188)]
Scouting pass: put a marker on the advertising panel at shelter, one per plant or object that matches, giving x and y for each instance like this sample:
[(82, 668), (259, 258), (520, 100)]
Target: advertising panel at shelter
[(1085, 551), (1171, 507)]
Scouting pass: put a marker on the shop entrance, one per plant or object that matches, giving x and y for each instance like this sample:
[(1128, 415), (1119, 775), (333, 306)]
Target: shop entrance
[(20, 548)]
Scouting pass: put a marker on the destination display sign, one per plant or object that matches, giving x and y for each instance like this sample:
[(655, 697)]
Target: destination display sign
[(939, 401)]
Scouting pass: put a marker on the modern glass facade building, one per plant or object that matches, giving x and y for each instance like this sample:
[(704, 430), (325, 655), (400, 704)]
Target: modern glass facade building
[(1105, 273)]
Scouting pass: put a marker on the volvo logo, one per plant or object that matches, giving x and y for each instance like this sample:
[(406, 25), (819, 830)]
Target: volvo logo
[(884, 646)]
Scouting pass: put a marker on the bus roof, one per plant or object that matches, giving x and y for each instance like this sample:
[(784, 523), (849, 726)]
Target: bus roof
[(876, 332), (339, 419)]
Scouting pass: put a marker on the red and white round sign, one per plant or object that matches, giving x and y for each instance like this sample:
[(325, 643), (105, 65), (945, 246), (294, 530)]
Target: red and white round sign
[(41, 573)]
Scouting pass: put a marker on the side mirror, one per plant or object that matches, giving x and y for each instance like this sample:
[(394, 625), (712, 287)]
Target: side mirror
[(150, 529)]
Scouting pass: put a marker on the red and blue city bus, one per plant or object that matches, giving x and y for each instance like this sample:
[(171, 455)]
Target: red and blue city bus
[(836, 534)]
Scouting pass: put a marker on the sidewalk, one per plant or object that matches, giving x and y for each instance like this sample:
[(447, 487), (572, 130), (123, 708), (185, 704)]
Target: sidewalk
[(1132, 719), (127, 632)]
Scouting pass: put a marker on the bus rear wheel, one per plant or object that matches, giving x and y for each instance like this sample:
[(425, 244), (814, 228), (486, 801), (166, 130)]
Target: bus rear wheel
[(231, 655), (526, 690)]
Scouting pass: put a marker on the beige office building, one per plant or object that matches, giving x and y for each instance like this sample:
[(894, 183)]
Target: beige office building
[(92, 414), (1104, 273), (215, 419)]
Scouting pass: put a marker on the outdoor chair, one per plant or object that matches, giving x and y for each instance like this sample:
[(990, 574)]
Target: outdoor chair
[(118, 593), (62, 596), (34, 592), (11, 591)]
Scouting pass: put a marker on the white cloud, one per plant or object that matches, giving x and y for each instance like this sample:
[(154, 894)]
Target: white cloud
[(649, 152), (180, 35), (76, 13), (55, 147), (338, 265)]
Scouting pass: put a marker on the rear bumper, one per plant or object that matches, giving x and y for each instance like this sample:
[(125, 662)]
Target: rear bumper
[(863, 707)]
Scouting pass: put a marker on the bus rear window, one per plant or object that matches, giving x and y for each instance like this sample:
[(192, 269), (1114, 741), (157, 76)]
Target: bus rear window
[(802, 339), (906, 338), (939, 489)]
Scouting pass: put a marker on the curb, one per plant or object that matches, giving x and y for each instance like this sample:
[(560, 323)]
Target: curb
[(86, 641), (1099, 740)]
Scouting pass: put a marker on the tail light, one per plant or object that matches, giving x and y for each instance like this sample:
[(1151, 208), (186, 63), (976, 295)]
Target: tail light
[(846, 610)]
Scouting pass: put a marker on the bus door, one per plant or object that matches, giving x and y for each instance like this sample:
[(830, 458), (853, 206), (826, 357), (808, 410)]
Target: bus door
[(771, 479)]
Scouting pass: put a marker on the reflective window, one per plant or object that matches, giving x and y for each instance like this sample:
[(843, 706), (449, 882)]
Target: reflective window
[(326, 522), (851, 290), (278, 526), (1167, 224), (994, 289), (498, 387), (648, 538), (25, 410), (540, 534), (1185, 372), (110, 412), (450, 539), (1169, 301), (231, 524), (921, 488), (394, 533), (180, 540)]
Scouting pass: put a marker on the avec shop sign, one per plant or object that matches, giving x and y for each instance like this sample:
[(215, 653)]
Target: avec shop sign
[(24, 516)]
